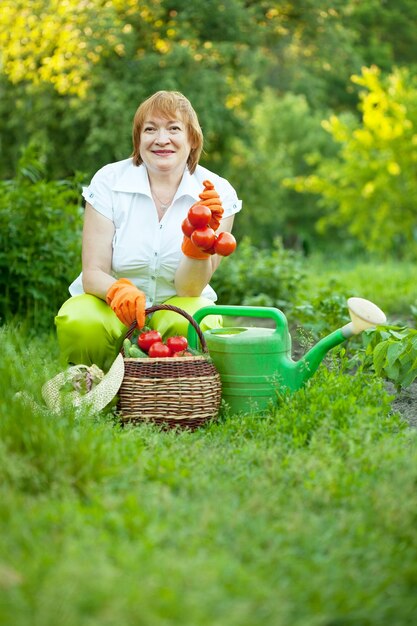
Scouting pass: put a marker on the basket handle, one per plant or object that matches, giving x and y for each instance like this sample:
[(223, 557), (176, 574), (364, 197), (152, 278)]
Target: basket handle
[(176, 309)]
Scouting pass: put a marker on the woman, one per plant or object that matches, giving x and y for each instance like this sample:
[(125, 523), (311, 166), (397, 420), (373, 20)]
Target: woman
[(134, 253)]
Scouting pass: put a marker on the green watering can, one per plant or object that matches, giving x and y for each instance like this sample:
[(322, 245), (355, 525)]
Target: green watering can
[(254, 362)]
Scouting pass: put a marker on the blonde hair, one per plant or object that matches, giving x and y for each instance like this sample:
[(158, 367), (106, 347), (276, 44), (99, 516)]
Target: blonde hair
[(169, 104)]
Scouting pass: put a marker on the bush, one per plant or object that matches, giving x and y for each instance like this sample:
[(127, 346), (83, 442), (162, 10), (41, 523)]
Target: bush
[(259, 277), (369, 189), (40, 242)]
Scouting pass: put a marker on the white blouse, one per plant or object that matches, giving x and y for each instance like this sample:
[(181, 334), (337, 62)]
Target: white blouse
[(145, 250)]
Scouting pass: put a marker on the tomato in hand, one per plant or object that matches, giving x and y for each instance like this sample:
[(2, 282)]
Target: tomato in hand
[(199, 215), (225, 244), (177, 344), (187, 227), (146, 339), (203, 238), (159, 350)]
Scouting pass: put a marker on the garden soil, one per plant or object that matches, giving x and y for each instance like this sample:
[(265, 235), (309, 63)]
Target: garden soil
[(405, 402)]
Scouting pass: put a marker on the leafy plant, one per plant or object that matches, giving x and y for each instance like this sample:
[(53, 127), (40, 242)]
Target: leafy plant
[(392, 352), (259, 277), (325, 312), (325, 408), (40, 240)]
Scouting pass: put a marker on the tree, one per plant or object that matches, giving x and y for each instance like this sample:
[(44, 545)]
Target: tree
[(76, 71), (370, 188), (285, 140), (49, 41), (322, 43), (385, 32)]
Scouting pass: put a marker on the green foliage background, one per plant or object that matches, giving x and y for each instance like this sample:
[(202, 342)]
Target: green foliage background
[(307, 107), (263, 76), (40, 242)]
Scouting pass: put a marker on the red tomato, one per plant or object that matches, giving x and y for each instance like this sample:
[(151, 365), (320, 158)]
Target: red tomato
[(182, 353), (187, 227), (159, 350), (199, 215), (203, 238), (177, 344), (225, 244), (146, 339)]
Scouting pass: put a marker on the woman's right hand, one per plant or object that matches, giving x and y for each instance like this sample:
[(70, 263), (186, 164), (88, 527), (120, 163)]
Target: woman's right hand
[(127, 301)]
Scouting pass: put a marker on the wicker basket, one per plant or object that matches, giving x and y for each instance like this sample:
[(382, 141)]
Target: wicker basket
[(174, 391)]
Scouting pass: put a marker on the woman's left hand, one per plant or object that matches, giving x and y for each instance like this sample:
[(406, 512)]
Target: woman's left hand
[(211, 199), (200, 239)]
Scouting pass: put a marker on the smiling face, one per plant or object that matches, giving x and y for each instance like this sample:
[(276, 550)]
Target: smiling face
[(167, 107), (164, 145)]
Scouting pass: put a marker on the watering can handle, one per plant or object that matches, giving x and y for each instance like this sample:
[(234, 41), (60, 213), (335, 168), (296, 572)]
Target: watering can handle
[(237, 311)]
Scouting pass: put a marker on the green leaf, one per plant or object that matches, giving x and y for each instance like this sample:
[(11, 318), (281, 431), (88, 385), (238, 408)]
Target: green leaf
[(394, 351), (379, 356)]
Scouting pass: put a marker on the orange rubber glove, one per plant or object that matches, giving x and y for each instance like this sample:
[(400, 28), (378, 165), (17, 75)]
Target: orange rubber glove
[(190, 250), (127, 301), (210, 198)]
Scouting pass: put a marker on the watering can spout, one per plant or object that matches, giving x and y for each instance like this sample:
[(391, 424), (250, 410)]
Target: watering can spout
[(308, 364), (363, 313)]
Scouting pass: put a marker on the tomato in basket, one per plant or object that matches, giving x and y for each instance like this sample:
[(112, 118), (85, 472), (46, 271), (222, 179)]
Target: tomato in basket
[(177, 343), (149, 337), (159, 350), (183, 353)]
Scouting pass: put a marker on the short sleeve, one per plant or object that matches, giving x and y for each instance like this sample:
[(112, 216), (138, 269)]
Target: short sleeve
[(230, 201), (99, 194)]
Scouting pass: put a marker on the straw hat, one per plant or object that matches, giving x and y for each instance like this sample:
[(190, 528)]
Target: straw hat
[(84, 386)]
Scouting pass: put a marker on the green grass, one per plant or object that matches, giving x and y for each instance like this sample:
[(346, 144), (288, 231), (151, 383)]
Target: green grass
[(303, 517), (391, 285)]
